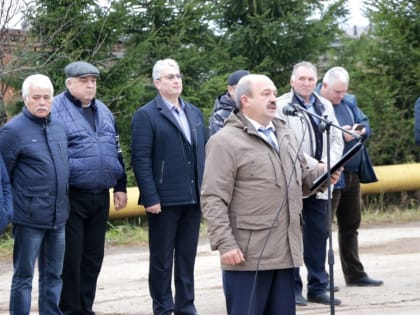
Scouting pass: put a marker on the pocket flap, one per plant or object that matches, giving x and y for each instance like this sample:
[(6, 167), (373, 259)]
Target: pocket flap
[(256, 222)]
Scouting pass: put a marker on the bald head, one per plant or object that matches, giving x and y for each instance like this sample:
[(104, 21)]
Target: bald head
[(256, 97)]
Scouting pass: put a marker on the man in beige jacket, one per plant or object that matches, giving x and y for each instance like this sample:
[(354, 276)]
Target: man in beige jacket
[(252, 200), (313, 141)]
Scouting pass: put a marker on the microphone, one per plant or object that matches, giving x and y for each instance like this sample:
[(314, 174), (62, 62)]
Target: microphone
[(291, 110)]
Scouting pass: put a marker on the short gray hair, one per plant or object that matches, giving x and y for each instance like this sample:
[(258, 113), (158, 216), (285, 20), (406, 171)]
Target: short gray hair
[(37, 81), (304, 64), (336, 74), (161, 64), (244, 87)]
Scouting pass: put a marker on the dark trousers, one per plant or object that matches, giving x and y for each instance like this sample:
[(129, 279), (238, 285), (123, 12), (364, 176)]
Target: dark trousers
[(269, 292), (173, 239), (84, 253), (315, 235), (347, 206)]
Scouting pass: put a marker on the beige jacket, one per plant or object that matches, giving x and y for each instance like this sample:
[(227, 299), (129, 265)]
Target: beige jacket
[(304, 132), (252, 196)]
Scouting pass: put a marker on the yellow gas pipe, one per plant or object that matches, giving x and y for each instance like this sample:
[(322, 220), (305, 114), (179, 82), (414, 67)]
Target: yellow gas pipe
[(132, 209), (392, 178)]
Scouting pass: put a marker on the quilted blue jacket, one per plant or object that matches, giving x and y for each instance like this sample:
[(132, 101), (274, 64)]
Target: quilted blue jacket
[(35, 154), (94, 155)]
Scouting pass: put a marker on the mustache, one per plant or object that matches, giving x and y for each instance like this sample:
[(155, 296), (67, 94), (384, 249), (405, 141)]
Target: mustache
[(42, 108)]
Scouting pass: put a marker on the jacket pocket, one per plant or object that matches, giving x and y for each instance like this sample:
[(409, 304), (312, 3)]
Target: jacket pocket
[(161, 172), (39, 204), (259, 167), (254, 236)]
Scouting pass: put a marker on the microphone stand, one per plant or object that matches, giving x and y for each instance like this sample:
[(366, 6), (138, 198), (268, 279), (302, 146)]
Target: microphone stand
[(324, 125)]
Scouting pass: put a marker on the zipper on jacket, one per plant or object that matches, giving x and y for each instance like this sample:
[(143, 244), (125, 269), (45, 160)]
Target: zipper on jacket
[(162, 169), (60, 148)]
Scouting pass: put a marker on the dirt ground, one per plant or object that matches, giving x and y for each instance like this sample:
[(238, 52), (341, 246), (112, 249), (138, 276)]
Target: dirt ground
[(388, 252)]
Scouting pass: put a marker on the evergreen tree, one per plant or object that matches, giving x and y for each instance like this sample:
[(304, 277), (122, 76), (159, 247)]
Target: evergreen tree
[(384, 65), (273, 35)]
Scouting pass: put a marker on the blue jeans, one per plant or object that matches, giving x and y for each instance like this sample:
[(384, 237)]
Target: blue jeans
[(48, 246)]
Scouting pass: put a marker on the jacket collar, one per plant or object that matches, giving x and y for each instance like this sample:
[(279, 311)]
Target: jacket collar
[(77, 102), (166, 112), (38, 120), (238, 120)]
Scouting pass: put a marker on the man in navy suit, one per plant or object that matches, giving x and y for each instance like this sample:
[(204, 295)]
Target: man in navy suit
[(167, 155)]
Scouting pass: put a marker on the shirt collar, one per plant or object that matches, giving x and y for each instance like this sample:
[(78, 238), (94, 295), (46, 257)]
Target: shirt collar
[(257, 125), (171, 106), (311, 100)]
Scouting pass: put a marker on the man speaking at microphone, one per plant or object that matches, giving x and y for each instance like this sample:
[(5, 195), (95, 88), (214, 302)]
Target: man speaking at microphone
[(314, 144), (251, 195)]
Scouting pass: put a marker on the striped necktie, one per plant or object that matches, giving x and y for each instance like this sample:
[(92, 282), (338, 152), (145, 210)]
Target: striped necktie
[(269, 135)]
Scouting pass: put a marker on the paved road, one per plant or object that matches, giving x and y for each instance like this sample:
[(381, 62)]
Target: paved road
[(390, 253)]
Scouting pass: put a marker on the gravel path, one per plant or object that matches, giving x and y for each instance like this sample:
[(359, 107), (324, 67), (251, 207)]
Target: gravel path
[(388, 252)]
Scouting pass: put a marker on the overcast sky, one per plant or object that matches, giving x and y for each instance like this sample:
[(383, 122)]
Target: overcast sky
[(354, 6), (356, 17)]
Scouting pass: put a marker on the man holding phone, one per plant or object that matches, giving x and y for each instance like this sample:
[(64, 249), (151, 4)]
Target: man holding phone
[(359, 127), (346, 196)]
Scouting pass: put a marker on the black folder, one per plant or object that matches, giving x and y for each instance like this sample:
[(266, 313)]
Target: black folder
[(319, 181)]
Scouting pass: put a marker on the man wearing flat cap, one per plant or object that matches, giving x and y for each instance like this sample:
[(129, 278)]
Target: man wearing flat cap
[(96, 165), (224, 103)]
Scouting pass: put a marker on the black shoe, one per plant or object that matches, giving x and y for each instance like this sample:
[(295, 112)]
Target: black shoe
[(300, 300), (336, 288), (365, 282), (322, 298)]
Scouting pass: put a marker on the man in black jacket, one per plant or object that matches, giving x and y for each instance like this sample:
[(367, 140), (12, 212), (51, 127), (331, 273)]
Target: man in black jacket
[(224, 103), (167, 153)]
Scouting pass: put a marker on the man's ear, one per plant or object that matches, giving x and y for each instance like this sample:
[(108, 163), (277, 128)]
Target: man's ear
[(68, 82)]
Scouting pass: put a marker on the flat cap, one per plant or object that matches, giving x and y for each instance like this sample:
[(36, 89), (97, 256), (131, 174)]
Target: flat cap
[(80, 69), (236, 76)]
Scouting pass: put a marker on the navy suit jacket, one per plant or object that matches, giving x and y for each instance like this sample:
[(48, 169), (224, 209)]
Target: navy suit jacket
[(168, 169)]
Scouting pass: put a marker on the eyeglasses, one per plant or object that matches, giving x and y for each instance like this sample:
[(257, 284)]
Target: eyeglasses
[(172, 76)]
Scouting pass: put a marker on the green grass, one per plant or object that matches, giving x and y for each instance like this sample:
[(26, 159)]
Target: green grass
[(6, 245), (126, 234), (373, 216)]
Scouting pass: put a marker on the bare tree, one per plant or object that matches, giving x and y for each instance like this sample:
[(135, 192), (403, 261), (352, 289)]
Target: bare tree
[(11, 36)]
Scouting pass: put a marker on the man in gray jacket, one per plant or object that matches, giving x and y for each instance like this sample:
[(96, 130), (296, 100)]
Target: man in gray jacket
[(314, 145), (252, 200)]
